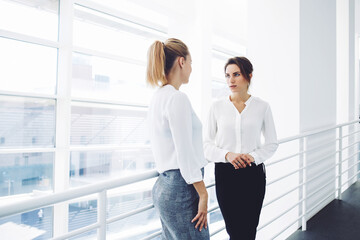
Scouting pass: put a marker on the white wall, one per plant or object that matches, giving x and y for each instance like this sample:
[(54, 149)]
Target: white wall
[(353, 96), (342, 60), (318, 88), (273, 48), (317, 64)]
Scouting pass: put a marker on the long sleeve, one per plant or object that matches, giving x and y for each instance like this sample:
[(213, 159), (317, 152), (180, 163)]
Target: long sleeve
[(268, 149), (212, 152), (179, 113)]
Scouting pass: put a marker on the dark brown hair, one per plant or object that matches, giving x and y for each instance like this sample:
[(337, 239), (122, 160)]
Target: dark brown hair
[(244, 64), (161, 58)]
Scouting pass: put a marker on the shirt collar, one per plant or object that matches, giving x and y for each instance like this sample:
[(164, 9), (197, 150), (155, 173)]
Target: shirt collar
[(247, 101)]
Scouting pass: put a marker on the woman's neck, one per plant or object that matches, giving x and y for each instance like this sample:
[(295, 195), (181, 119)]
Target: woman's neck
[(174, 80), (239, 97)]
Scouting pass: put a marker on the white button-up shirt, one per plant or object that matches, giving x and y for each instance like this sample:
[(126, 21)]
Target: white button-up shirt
[(227, 130), (176, 134)]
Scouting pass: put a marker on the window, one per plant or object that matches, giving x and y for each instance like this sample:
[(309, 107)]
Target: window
[(28, 60), (20, 73), (25, 172), (220, 55), (110, 95), (107, 79), (27, 122), (33, 18)]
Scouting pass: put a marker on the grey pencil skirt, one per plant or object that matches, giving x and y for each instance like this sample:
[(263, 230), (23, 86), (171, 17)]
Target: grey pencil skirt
[(177, 204)]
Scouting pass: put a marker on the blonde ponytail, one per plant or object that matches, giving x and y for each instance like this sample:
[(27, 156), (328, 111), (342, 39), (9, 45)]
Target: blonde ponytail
[(161, 58), (156, 65)]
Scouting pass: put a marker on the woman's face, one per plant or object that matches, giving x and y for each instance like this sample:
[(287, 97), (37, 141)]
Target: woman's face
[(187, 68), (235, 80)]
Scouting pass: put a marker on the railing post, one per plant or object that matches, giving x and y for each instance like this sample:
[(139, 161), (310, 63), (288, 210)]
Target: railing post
[(303, 181), (102, 215), (340, 164)]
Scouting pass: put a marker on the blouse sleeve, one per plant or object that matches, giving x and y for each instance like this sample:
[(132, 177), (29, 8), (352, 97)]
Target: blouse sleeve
[(268, 149), (211, 151), (179, 113)]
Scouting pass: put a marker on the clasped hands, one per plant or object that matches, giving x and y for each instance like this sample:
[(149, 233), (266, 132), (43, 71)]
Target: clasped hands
[(239, 160)]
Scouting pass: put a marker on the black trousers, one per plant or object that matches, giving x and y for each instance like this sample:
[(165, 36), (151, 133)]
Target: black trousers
[(240, 194)]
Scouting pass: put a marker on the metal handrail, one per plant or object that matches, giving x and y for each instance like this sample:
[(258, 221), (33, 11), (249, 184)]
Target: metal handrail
[(153, 235), (102, 187), (323, 158), (313, 132), (287, 226), (42, 201), (129, 214), (282, 195), (299, 153), (348, 169), (284, 158), (351, 134), (351, 178), (280, 215), (217, 230), (350, 156), (78, 231), (349, 146)]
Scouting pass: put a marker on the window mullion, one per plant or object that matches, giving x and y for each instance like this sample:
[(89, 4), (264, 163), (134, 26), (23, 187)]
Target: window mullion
[(63, 114)]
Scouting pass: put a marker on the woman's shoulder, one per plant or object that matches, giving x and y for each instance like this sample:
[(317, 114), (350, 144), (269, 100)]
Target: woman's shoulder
[(178, 98), (219, 102), (260, 101)]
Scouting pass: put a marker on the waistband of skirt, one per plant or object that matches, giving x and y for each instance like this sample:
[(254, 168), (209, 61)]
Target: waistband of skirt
[(174, 176), (227, 164)]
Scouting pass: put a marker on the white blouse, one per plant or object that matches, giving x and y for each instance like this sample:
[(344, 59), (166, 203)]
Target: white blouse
[(227, 130), (176, 134)]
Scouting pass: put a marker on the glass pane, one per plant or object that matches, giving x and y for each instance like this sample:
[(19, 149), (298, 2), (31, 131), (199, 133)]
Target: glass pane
[(26, 122), (128, 198), (34, 76), (101, 78), (90, 235), (138, 10), (217, 67), (25, 173), (136, 227), (101, 32), (216, 217), (104, 124), (94, 166), (31, 17), (82, 214), (219, 89), (36, 224)]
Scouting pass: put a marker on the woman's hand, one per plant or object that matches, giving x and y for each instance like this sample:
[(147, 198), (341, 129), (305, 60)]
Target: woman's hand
[(248, 158), (201, 216), (239, 160)]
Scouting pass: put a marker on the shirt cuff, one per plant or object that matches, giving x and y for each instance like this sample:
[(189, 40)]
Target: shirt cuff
[(255, 156), (194, 180), (224, 152)]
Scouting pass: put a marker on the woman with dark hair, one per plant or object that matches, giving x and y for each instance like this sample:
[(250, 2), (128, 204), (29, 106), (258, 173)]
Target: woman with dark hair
[(179, 193), (232, 141)]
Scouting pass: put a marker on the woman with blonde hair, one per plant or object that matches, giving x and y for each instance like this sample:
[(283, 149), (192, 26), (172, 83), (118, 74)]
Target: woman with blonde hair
[(179, 193)]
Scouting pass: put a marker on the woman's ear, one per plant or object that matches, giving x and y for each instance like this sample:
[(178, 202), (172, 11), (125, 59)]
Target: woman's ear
[(181, 61), (250, 75)]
